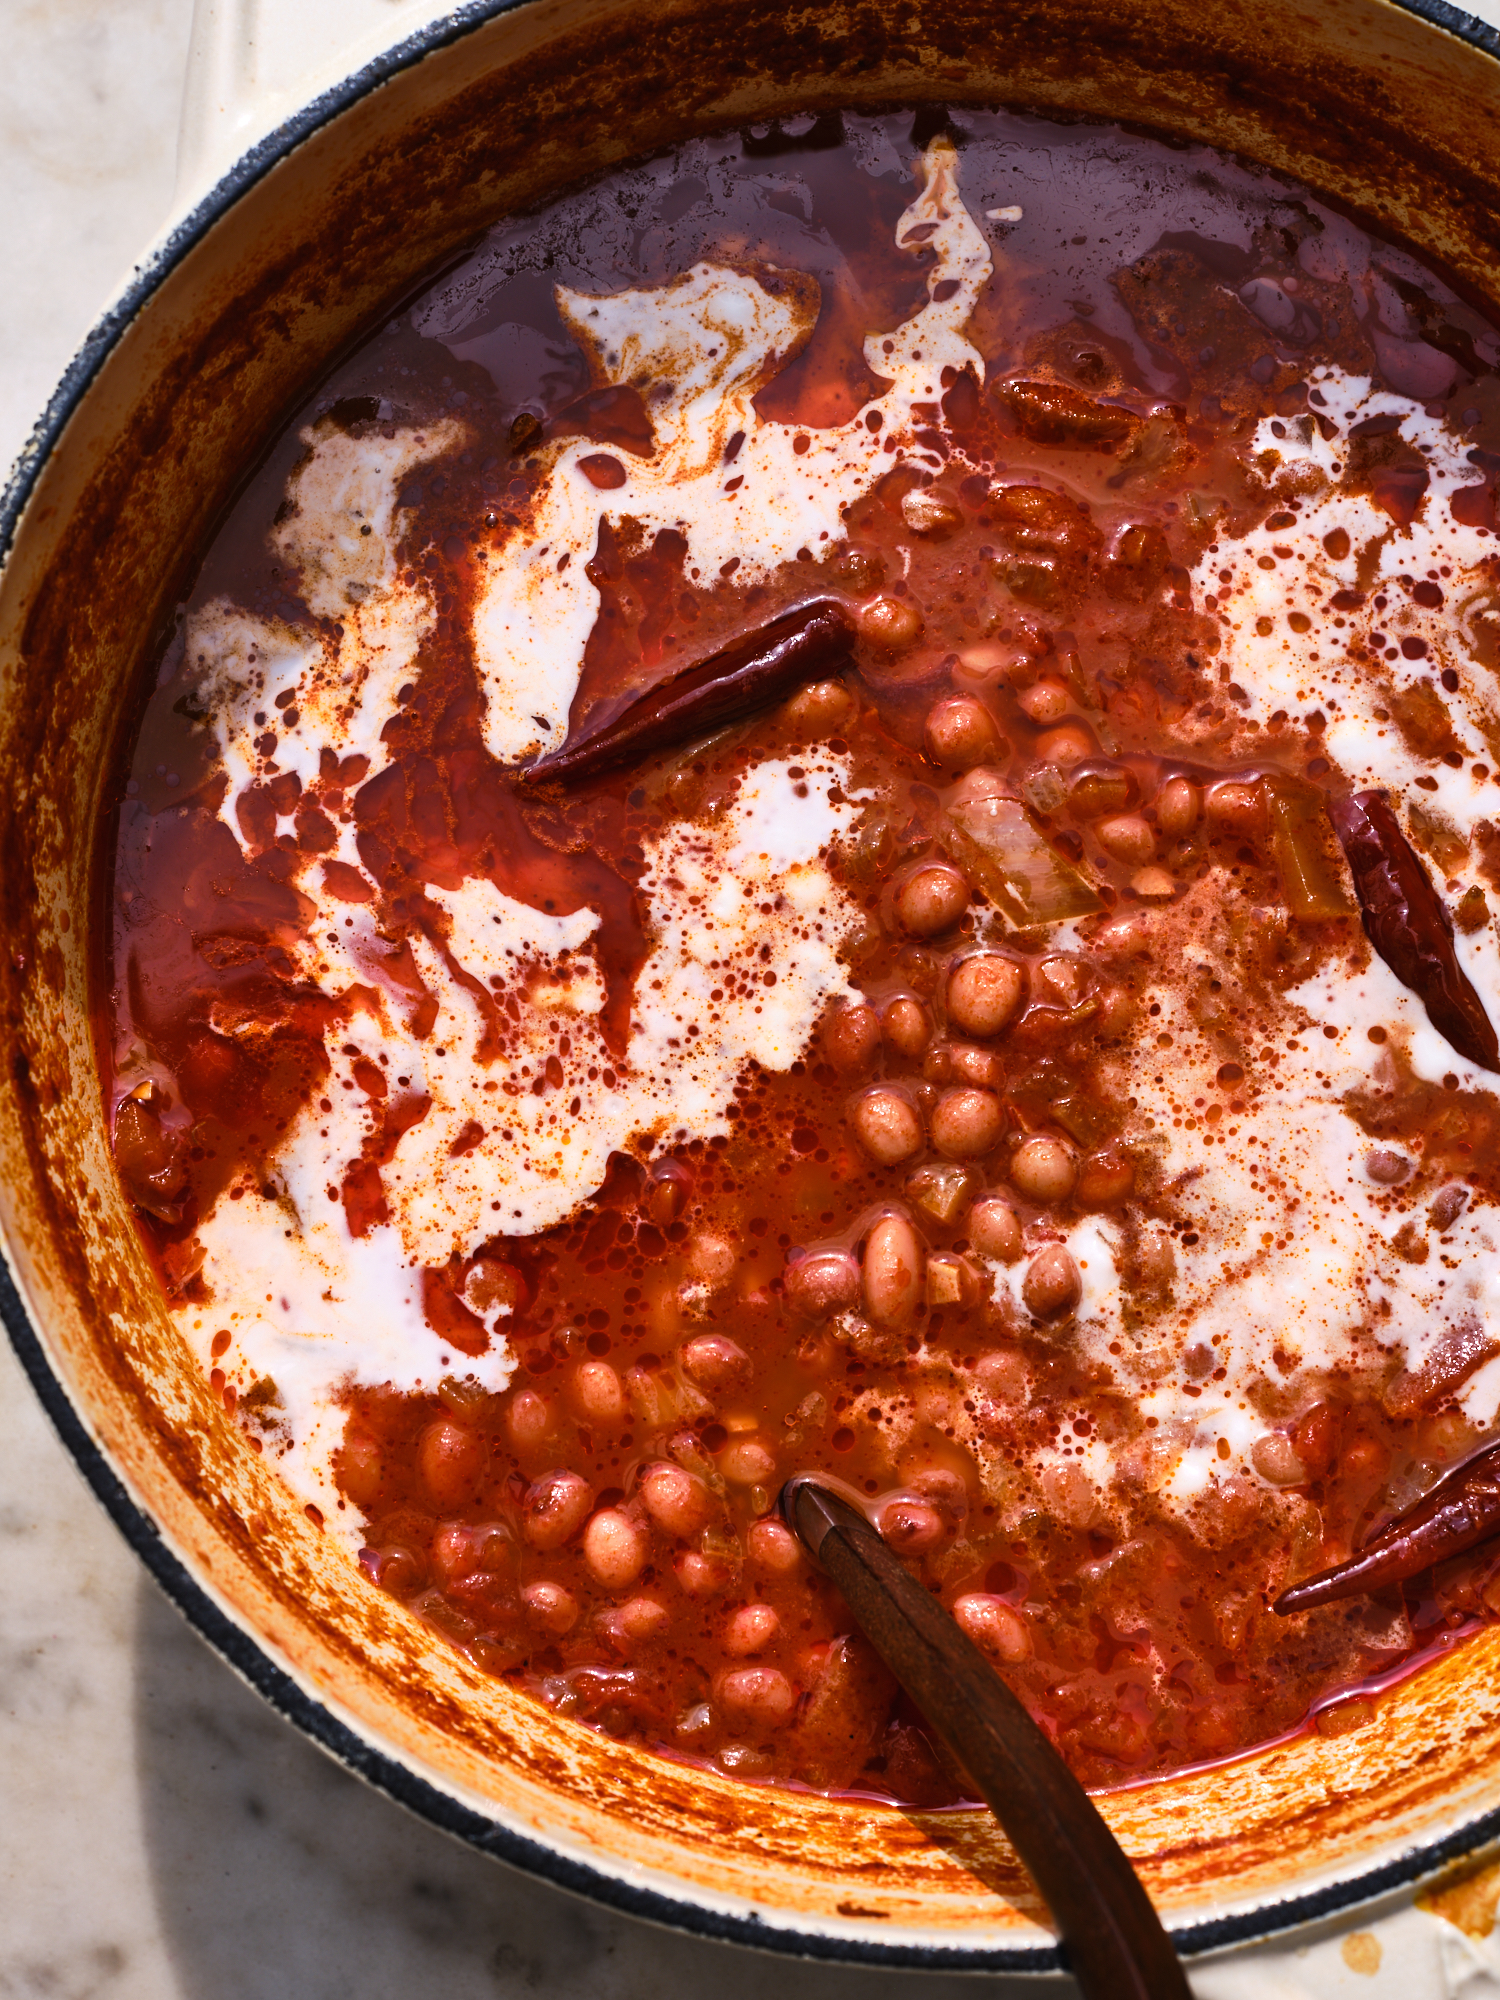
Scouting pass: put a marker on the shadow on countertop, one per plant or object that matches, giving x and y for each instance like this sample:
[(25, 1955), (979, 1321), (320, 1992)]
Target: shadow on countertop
[(280, 1877)]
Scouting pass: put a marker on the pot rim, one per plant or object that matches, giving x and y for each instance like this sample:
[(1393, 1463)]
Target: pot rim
[(243, 1653)]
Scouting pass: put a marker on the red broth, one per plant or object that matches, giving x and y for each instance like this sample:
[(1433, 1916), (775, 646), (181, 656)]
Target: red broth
[(965, 1246)]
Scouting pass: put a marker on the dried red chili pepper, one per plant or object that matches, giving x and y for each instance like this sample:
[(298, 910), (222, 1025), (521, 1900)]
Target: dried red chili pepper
[(1407, 922), (1460, 1511), (801, 645)]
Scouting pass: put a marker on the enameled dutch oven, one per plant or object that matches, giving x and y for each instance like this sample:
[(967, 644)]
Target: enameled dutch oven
[(1392, 112)]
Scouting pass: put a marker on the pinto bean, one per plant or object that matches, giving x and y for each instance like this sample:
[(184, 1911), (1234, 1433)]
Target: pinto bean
[(907, 1026), (887, 1126), (911, 1527), (931, 899), (1044, 1168), (1104, 1179), (995, 1628), (749, 1630), (929, 513), (893, 1270), (597, 1394), (1274, 1457), (452, 1460), (550, 1607), (701, 1575), (760, 1697), (1068, 744), (359, 1466), (666, 1194), (1044, 701), (961, 732), (984, 992), (711, 1258), (1127, 837), (639, 1621), (615, 1548), (963, 1062), (994, 1229), (555, 1508), (774, 1549), (820, 709), (748, 1461), (891, 623), (677, 1501), (851, 1037), (1233, 806), (1178, 804), (1053, 1285), (822, 1283), (966, 1123), (716, 1363)]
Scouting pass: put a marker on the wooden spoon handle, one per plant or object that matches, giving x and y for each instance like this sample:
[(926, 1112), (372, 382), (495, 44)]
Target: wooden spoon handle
[(1111, 1935)]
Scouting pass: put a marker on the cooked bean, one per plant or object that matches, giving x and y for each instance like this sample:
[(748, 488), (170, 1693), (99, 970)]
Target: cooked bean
[(1386, 1166), (1053, 1284), (994, 1229), (891, 623), (911, 1526), (555, 1508), (1003, 1375), (941, 1190), (1316, 1437), (1153, 885), (821, 709), (1066, 745), (928, 513), (1044, 1168), (1233, 806), (994, 1626), (851, 1037), (984, 992), (716, 1363), (961, 733), (640, 1620), (1274, 1457), (1116, 1015), (597, 1394), (666, 1194), (749, 1630), (963, 1062), (887, 1125), (1177, 807), (893, 1270), (359, 1466), (615, 1548), (951, 1280), (907, 1026), (453, 1553), (452, 1458), (747, 1461), (550, 1608), (701, 1575), (1101, 789), (931, 899), (711, 1257), (1127, 837), (822, 1283), (774, 1548), (967, 1123), (1104, 1179), (1044, 701), (758, 1696), (677, 1502)]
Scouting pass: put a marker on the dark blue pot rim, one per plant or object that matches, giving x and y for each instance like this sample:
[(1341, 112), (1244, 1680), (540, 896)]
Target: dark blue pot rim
[(229, 1640)]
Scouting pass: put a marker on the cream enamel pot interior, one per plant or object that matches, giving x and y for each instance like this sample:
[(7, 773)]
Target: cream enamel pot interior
[(315, 231)]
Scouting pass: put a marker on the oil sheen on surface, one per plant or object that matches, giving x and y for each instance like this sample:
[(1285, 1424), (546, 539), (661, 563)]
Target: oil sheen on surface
[(969, 1077)]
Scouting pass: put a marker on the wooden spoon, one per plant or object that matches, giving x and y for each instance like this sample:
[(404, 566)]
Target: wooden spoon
[(1111, 1935)]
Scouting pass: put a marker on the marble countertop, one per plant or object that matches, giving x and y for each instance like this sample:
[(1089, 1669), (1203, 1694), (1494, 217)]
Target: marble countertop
[(163, 1834)]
